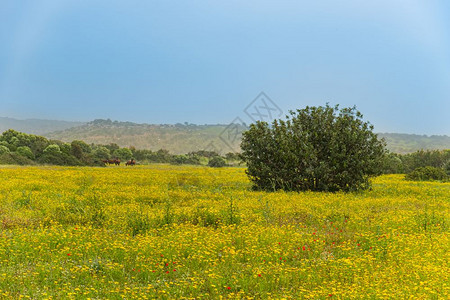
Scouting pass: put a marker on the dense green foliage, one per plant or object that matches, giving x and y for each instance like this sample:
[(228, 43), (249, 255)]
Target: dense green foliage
[(27, 149), (427, 173), (434, 158), (420, 165), (217, 162), (316, 148)]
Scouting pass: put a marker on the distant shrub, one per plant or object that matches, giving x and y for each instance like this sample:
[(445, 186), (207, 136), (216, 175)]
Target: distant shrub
[(25, 151), (4, 143), (427, 173), (392, 164), (447, 167), (52, 150), (4, 149), (123, 154), (61, 159), (432, 158), (101, 153), (190, 159), (217, 162), (15, 159)]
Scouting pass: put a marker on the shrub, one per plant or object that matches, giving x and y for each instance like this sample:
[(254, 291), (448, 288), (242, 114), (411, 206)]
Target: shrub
[(447, 167), (427, 173), (316, 148), (25, 152), (190, 159), (123, 153), (4, 149), (15, 159), (52, 149), (101, 153), (60, 158), (217, 162)]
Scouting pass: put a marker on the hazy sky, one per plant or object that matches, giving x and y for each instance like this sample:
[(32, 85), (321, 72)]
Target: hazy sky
[(205, 61)]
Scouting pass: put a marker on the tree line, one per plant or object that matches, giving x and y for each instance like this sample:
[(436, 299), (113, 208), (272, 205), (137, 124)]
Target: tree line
[(28, 149)]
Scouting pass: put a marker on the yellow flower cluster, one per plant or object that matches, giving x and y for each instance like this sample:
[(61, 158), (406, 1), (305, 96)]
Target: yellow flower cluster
[(178, 232)]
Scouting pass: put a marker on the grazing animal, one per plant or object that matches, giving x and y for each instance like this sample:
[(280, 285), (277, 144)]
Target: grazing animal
[(131, 162), (112, 162)]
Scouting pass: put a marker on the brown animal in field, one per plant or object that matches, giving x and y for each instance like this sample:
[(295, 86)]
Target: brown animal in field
[(131, 162), (112, 162)]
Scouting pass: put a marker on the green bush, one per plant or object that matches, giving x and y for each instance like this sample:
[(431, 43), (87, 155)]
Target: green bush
[(15, 159), (52, 149), (427, 173), (4, 149), (101, 153), (123, 154), (316, 148), (25, 151), (447, 167), (217, 162), (61, 159), (432, 158), (190, 159)]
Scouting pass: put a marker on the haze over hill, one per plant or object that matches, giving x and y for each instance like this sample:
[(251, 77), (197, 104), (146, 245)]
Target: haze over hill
[(35, 126), (177, 138), (181, 138)]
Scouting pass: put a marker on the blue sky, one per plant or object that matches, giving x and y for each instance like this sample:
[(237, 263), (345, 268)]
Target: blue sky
[(205, 61)]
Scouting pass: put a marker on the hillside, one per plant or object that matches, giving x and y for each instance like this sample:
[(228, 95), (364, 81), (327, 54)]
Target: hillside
[(35, 126), (183, 138), (178, 138), (406, 143)]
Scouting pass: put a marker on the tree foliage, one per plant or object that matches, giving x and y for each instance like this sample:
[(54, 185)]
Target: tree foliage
[(217, 162), (427, 173), (316, 148), (25, 151), (123, 153)]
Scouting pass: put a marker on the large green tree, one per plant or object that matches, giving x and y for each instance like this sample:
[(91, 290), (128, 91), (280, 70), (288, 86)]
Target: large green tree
[(316, 148)]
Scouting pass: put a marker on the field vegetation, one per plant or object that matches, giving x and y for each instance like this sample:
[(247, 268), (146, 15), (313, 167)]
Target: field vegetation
[(174, 232)]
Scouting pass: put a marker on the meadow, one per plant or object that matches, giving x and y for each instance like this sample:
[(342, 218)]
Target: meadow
[(184, 232)]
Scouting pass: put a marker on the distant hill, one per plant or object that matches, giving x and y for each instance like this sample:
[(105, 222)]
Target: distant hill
[(35, 126), (178, 138), (405, 143), (181, 138)]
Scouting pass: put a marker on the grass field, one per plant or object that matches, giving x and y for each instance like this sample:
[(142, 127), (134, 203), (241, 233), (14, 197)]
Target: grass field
[(192, 232)]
